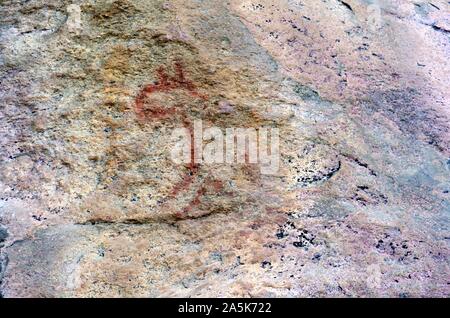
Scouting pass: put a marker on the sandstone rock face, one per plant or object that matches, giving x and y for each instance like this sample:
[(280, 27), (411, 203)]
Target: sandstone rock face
[(91, 204)]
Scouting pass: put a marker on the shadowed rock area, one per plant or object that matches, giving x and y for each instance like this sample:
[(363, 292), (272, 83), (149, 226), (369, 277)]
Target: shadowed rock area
[(92, 205)]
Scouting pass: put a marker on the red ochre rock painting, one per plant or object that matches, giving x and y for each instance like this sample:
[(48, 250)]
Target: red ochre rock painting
[(165, 83), (152, 112)]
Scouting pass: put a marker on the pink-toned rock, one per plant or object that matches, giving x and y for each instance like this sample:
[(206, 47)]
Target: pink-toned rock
[(92, 205)]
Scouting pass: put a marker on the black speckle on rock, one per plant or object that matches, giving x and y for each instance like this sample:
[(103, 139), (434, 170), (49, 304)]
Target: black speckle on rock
[(345, 4), (380, 242), (266, 264), (298, 244), (101, 251), (281, 234), (305, 239), (3, 234)]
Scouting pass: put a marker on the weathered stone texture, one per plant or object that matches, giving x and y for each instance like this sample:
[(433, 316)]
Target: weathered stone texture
[(92, 206)]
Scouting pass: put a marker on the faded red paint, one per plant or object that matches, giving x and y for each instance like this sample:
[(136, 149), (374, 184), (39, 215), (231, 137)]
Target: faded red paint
[(216, 185), (150, 111), (165, 83)]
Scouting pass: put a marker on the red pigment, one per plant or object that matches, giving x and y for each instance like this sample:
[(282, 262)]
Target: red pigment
[(165, 83), (151, 111)]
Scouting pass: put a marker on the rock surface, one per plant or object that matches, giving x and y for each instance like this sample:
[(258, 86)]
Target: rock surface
[(92, 206)]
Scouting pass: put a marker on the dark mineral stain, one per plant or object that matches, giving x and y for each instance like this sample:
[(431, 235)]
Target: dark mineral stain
[(266, 264), (3, 234)]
